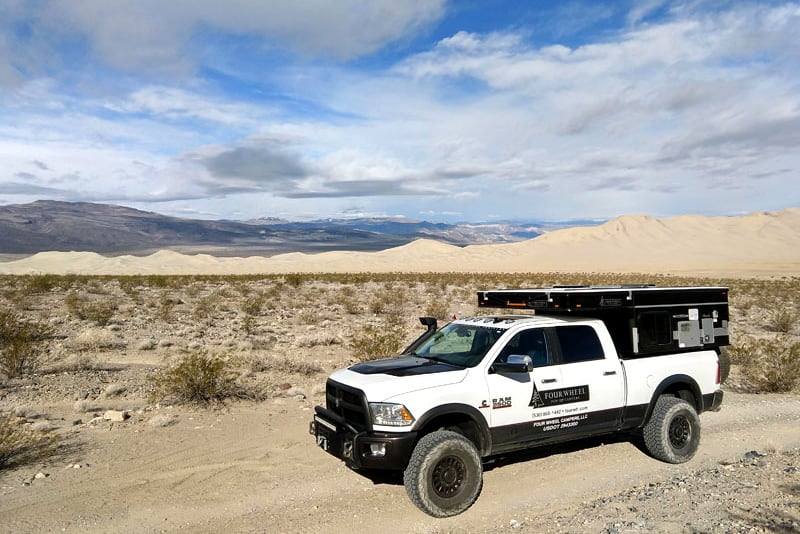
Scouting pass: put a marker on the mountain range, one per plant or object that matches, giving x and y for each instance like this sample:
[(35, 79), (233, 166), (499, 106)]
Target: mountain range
[(48, 225)]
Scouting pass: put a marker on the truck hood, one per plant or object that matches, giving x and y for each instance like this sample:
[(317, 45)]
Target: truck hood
[(381, 380)]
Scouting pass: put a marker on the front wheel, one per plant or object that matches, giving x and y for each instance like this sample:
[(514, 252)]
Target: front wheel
[(673, 432), (444, 475)]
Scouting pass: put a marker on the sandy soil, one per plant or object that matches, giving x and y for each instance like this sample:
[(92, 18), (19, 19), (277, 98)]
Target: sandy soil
[(254, 468)]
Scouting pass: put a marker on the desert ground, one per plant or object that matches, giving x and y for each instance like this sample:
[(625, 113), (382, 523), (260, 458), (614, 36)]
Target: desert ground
[(248, 464), (131, 457)]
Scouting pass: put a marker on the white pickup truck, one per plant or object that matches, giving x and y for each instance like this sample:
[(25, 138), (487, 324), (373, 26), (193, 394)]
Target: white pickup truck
[(590, 360)]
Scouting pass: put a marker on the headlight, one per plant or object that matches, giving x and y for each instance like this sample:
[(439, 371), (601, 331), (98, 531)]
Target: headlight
[(387, 414)]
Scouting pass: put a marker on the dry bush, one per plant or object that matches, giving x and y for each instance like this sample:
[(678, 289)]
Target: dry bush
[(783, 320), (76, 362), (309, 317), (375, 342), (377, 305), (438, 309), (94, 339), (19, 445), (249, 325), (296, 279), (100, 312), (198, 379), (204, 308), (40, 283), (771, 365), (284, 365), (164, 306), (324, 340), (252, 305), (390, 301), (20, 344)]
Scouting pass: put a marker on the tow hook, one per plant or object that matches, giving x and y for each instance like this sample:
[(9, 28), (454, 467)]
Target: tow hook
[(312, 428)]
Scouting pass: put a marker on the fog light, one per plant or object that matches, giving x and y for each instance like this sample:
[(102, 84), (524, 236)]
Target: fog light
[(377, 449)]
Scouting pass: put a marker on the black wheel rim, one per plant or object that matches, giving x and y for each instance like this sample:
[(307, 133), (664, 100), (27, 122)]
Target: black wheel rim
[(448, 476), (680, 432)]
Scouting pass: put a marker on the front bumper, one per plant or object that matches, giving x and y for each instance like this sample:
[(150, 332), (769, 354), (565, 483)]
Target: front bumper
[(361, 449)]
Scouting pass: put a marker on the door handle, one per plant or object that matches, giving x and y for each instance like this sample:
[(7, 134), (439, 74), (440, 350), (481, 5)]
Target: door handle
[(609, 373), (548, 380)]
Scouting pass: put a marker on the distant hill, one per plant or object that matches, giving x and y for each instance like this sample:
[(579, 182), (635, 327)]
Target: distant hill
[(758, 244), (47, 225)]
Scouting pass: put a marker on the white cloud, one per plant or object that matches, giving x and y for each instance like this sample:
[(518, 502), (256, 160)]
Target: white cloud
[(661, 117), (161, 37), (174, 103)]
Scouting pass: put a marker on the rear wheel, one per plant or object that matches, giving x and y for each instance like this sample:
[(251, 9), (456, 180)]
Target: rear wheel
[(724, 364), (444, 475), (673, 432)]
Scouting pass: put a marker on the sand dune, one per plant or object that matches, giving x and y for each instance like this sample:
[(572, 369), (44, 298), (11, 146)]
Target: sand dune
[(757, 244)]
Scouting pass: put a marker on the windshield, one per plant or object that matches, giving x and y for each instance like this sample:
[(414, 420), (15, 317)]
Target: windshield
[(460, 344)]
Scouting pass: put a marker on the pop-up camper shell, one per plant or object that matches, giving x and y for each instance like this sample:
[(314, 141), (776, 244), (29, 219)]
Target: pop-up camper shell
[(643, 319)]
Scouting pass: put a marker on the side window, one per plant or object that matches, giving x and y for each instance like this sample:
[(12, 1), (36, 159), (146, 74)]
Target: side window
[(654, 329), (532, 343), (579, 343)]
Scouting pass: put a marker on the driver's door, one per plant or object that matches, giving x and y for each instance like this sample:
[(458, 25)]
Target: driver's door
[(515, 397)]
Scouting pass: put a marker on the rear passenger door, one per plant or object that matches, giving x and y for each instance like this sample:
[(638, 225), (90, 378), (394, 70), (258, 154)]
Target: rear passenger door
[(593, 385)]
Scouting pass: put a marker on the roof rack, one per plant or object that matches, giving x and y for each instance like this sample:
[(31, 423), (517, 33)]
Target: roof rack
[(585, 298)]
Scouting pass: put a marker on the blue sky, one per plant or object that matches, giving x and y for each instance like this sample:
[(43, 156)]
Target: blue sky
[(446, 111)]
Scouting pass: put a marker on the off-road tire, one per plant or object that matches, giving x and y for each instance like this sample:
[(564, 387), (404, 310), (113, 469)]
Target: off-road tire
[(724, 364), (673, 432), (444, 475)]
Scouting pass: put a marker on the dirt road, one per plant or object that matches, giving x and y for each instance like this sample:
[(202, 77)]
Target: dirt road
[(254, 468)]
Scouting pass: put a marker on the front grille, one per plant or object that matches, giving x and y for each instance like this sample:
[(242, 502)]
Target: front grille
[(347, 402)]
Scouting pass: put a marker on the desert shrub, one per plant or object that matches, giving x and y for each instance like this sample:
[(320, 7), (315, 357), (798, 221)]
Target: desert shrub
[(249, 325), (377, 305), (20, 344), (165, 306), (284, 365), (100, 312), (783, 320), (40, 283), (350, 304), (204, 308), (199, 379), (438, 309), (772, 365), (19, 445), (740, 353), (252, 305), (94, 339), (295, 279), (309, 316), (324, 340), (374, 342)]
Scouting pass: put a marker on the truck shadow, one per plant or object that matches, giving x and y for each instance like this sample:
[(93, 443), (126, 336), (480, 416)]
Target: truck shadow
[(566, 447), (395, 478)]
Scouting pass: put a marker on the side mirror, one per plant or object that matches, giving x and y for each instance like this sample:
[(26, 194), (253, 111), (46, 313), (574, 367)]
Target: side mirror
[(516, 363)]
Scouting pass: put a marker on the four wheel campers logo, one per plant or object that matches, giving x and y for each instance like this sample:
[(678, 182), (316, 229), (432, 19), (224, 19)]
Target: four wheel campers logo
[(555, 397)]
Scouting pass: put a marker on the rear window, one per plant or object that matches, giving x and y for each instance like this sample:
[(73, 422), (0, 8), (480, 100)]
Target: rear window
[(579, 343)]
